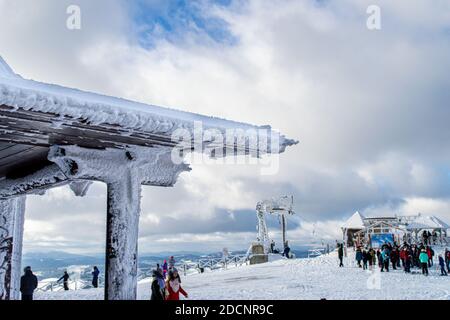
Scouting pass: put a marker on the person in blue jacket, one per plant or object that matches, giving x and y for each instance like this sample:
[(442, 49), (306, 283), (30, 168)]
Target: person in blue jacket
[(423, 258), (65, 279), (341, 254), (28, 283), (385, 258), (442, 265), (359, 256), (158, 286), (287, 251), (366, 257), (95, 275), (447, 259)]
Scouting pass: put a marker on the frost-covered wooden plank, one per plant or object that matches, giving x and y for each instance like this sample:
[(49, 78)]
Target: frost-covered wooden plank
[(11, 235), (67, 104), (35, 183)]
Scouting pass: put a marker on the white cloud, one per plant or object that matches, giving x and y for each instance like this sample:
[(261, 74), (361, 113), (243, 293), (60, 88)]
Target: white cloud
[(426, 206)]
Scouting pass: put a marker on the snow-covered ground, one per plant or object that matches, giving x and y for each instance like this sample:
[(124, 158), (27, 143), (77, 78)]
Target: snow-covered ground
[(315, 278)]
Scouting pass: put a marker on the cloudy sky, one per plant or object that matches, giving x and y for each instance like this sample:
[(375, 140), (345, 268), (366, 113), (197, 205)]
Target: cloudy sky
[(370, 107)]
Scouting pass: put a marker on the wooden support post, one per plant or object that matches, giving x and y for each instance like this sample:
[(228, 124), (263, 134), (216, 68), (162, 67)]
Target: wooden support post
[(123, 207)]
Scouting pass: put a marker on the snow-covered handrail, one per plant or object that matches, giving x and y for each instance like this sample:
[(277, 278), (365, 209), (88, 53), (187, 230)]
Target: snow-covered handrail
[(316, 252), (217, 263)]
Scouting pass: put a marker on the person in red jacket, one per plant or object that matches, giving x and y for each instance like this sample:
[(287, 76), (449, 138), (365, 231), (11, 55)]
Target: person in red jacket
[(173, 286), (430, 253), (403, 254)]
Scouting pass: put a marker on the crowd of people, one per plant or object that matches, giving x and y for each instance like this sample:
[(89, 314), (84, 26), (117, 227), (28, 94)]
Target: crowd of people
[(286, 251), (405, 257), (430, 238), (166, 283), (29, 282)]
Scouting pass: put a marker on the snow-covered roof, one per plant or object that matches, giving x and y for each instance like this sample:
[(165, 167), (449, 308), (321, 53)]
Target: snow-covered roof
[(6, 71), (427, 222), (381, 215), (98, 109), (356, 221)]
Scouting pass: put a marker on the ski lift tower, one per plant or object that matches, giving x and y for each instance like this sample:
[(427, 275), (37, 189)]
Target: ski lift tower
[(281, 206)]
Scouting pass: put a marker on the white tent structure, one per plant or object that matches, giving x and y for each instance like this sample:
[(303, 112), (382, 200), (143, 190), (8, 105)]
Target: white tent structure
[(355, 221), (354, 224)]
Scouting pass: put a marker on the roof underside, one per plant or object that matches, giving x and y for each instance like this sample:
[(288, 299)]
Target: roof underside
[(18, 160), (27, 136)]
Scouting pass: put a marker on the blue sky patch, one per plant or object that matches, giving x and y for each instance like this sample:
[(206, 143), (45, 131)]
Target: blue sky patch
[(174, 19)]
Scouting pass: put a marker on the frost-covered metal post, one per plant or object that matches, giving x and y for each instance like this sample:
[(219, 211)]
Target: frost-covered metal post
[(124, 172), (11, 233)]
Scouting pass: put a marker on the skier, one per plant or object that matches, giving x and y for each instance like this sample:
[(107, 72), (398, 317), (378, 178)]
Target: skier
[(394, 258), (434, 237), (423, 257), (425, 237), (177, 274), (171, 263), (272, 246), (156, 288), (447, 259), (380, 259), (371, 258), (173, 287), (95, 274), (359, 256), (366, 257), (442, 265), (65, 279), (415, 255), (161, 281), (341, 254), (287, 251), (385, 260), (28, 283), (402, 255), (164, 268), (408, 261), (397, 248), (430, 253)]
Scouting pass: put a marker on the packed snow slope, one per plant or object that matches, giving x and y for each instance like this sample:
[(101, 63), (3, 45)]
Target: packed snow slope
[(311, 279)]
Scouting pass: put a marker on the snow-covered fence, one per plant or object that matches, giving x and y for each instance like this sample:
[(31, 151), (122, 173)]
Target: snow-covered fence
[(223, 263), (214, 263), (59, 286), (312, 253)]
